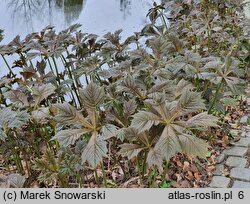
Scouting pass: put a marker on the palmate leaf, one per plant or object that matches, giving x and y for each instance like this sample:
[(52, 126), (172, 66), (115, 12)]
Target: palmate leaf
[(130, 150), (129, 107), (115, 37), (6, 115), (213, 63), (166, 87), (48, 165), (168, 144), (158, 46), (88, 66), (72, 28), (13, 119), (68, 114), (80, 146), (70, 136), (236, 85), (172, 141), (193, 146), (95, 150), (109, 131), (12, 181), (131, 133), (41, 67), (129, 85), (41, 92), (144, 120), (5, 81), (203, 120), (17, 97), (154, 158), (18, 119), (190, 102), (183, 85), (187, 63), (92, 96)]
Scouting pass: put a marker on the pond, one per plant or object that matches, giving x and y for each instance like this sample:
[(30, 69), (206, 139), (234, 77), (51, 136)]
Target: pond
[(20, 17)]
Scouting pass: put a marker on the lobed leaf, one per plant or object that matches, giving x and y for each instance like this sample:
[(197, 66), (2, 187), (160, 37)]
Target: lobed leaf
[(92, 96), (130, 150), (41, 92), (69, 137), (168, 144), (202, 119), (17, 97), (109, 131), (144, 120), (68, 114), (193, 146), (154, 158), (94, 151), (191, 102)]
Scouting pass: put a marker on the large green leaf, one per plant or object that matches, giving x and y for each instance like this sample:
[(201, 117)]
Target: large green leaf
[(129, 108), (13, 119), (190, 102), (6, 115), (130, 150), (193, 146), (109, 131), (154, 158), (92, 96), (19, 119), (203, 120), (129, 85), (68, 114), (17, 97), (41, 92), (95, 151), (16, 180), (70, 136), (144, 120), (168, 144)]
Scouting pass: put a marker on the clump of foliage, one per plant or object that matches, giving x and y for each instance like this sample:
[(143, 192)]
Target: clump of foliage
[(73, 105)]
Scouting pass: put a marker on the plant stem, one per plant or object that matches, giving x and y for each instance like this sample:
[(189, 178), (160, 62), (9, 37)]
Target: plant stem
[(70, 76), (97, 178), (63, 181), (31, 63), (144, 165), (219, 86), (163, 20), (74, 79), (16, 157), (72, 68), (56, 68), (152, 180), (50, 65), (79, 179), (4, 59), (139, 169), (165, 171), (104, 175)]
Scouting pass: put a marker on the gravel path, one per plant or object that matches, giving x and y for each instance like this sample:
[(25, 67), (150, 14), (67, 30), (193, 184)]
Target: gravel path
[(236, 159)]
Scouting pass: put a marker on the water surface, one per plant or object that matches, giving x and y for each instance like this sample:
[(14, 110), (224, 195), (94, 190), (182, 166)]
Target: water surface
[(20, 17)]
